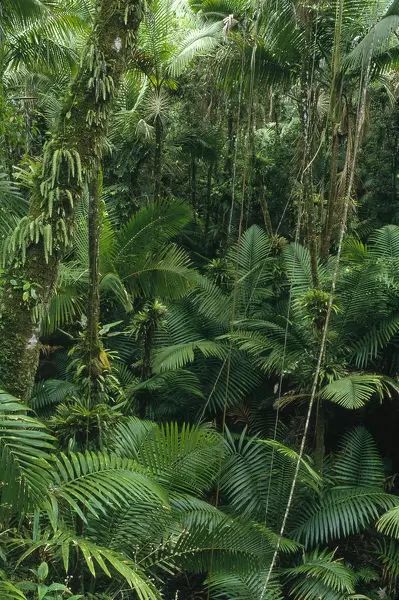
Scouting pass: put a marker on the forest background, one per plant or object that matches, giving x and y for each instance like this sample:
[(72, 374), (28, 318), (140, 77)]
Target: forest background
[(199, 299)]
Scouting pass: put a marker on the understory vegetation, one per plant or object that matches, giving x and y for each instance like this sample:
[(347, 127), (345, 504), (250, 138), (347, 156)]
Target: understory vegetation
[(199, 299)]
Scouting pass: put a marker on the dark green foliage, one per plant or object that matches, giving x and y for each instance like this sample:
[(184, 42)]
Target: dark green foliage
[(206, 379)]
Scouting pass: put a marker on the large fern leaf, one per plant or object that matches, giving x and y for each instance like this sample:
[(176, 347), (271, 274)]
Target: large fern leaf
[(25, 447)]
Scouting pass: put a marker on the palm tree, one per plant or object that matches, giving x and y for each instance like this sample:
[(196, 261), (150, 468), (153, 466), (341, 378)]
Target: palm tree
[(165, 51)]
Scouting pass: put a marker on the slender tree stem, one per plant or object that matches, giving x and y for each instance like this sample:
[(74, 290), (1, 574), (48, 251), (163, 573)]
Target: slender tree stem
[(93, 342), (158, 158), (320, 430)]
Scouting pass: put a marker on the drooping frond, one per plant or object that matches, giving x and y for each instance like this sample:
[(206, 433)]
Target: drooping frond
[(244, 586), (354, 391), (25, 447), (341, 512), (358, 462), (257, 476), (9, 592), (12, 206), (387, 552), (384, 243), (91, 481), (377, 40), (378, 336), (155, 224), (321, 575), (176, 357), (197, 42), (298, 267), (50, 392), (97, 559), (183, 459), (389, 522)]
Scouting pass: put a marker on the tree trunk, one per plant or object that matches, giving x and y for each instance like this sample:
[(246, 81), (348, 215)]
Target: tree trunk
[(336, 110), (228, 168), (92, 342), (320, 430), (208, 201), (332, 196), (70, 157), (265, 212), (158, 159), (193, 177), (307, 109)]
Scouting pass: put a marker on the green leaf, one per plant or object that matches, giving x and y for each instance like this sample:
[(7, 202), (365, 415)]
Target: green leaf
[(354, 391), (25, 459), (42, 571)]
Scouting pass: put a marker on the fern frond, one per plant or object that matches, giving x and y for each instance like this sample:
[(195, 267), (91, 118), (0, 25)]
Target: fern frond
[(342, 512), (91, 481), (94, 557), (354, 391), (25, 448), (358, 462)]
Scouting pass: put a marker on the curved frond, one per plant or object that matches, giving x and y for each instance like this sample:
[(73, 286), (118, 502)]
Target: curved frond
[(359, 462), (25, 447), (321, 576), (341, 512), (98, 559), (9, 592), (91, 481), (354, 391), (183, 459)]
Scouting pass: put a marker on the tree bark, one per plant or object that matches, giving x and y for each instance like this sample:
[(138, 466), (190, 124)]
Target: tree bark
[(93, 342), (193, 177), (265, 212), (158, 159), (70, 157), (307, 110), (320, 430), (208, 201), (332, 196)]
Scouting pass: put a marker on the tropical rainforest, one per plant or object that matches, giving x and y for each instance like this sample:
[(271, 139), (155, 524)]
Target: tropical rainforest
[(199, 299)]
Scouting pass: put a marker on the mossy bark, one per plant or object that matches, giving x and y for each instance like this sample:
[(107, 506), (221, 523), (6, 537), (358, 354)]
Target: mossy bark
[(93, 343), (70, 157), (157, 168), (332, 197)]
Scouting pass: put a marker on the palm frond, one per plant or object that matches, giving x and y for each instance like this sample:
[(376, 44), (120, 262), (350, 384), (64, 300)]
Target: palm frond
[(341, 512), (91, 481), (384, 243), (9, 592), (50, 392), (297, 264), (183, 459), (197, 42), (358, 461), (95, 556), (354, 391), (178, 356), (377, 337), (321, 575), (246, 586), (25, 447)]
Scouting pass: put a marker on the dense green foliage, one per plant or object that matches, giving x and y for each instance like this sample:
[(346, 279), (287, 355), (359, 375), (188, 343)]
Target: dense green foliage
[(199, 300)]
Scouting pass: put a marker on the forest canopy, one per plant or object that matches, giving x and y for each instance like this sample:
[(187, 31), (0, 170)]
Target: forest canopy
[(199, 299)]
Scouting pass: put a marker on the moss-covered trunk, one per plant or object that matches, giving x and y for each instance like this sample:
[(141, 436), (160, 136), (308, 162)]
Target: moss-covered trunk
[(157, 171), (93, 342), (70, 158)]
